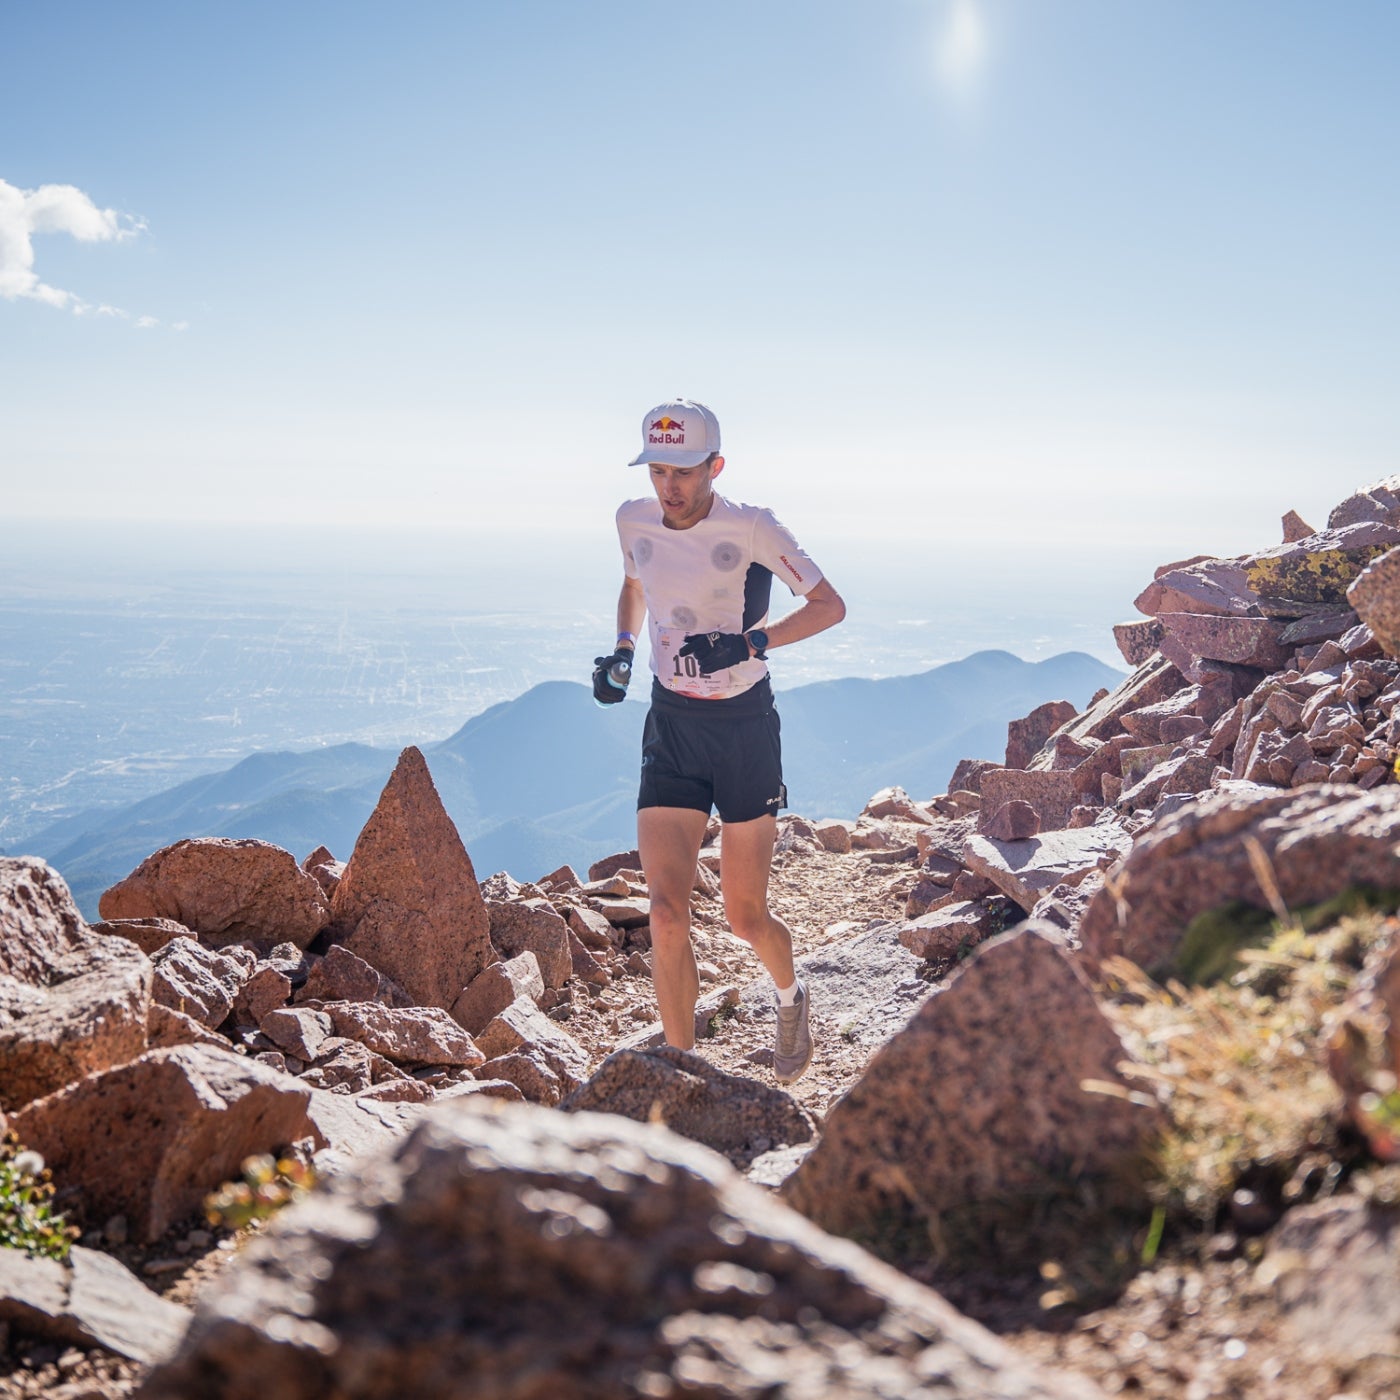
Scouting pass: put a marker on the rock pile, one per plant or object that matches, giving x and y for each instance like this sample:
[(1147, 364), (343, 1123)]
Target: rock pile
[(1272, 671)]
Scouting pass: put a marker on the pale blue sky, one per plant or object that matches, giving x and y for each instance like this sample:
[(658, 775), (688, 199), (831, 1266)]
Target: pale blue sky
[(1034, 270)]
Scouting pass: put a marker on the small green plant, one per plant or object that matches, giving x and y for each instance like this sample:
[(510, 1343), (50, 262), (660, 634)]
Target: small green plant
[(269, 1183), (27, 1218), (725, 1013)]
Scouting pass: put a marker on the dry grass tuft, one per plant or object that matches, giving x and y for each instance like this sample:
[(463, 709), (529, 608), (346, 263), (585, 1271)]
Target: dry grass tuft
[(1240, 1064)]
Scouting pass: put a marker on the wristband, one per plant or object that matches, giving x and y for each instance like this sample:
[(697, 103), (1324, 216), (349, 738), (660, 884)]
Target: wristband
[(627, 637)]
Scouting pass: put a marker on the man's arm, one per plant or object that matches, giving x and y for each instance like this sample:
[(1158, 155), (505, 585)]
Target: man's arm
[(821, 608), (632, 607)]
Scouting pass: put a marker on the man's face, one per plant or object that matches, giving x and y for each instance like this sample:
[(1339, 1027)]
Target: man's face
[(685, 493)]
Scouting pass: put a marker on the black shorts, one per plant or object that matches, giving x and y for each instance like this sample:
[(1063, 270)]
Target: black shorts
[(721, 753)]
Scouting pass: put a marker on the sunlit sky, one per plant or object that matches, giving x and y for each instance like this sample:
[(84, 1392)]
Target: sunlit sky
[(1034, 270)]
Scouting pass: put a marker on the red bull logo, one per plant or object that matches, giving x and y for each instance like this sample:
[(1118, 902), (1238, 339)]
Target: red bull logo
[(667, 431)]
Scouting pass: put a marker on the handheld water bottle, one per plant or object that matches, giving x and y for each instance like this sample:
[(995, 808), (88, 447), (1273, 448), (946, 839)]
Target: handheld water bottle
[(620, 673)]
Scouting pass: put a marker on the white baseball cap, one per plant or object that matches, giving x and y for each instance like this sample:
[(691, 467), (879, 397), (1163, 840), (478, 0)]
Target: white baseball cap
[(679, 433)]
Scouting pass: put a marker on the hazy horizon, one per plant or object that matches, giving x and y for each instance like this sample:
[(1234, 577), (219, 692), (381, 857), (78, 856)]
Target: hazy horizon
[(133, 660)]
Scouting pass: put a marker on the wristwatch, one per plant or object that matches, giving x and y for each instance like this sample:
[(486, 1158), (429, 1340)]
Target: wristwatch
[(758, 640)]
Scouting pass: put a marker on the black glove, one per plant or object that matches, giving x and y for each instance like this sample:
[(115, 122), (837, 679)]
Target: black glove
[(611, 676), (716, 651)]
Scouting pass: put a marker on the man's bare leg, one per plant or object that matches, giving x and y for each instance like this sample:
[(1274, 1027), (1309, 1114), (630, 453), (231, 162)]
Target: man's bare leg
[(669, 840), (746, 857)]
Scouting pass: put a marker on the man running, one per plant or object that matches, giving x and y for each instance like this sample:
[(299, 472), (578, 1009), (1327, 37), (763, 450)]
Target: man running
[(699, 568)]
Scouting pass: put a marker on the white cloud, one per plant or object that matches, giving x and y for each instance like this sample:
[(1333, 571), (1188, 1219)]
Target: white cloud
[(962, 45), (52, 209), (144, 323)]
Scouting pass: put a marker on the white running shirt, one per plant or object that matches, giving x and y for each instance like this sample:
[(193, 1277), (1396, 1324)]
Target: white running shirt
[(713, 577)]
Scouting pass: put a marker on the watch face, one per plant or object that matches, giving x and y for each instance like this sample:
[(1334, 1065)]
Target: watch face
[(759, 638)]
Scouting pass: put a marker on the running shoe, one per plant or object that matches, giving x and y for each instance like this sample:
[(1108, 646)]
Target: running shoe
[(792, 1049)]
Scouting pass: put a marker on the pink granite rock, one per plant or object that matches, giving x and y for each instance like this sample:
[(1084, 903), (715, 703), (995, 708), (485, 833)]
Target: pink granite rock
[(1375, 594), (947, 932), (530, 1075), (1378, 502), (151, 1138), (1137, 640), (525, 1253), (1025, 737), (298, 1030), (1050, 794), (535, 928), (1013, 821), (71, 1001), (976, 1100), (834, 835), (166, 1028), (1318, 841), (408, 903), (411, 1035), (1320, 568), (1154, 680), (734, 1114), (225, 891), (1295, 528), (342, 976), (195, 980), (495, 988), (325, 869), (146, 934), (1242, 641), (1217, 586), (1335, 1273), (896, 804), (1145, 724), (522, 1026), (266, 990), (591, 928), (1026, 870)]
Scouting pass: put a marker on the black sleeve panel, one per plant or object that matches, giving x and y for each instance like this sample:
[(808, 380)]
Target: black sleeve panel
[(758, 590)]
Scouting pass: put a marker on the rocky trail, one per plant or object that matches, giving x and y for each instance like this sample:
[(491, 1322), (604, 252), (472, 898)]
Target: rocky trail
[(1103, 1098)]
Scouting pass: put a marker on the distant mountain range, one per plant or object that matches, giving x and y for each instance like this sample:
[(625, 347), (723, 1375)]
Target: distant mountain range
[(549, 778)]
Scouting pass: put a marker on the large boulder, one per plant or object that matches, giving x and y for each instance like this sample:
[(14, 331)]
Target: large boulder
[(1320, 568), (1314, 841), (734, 1114), (71, 1001), (150, 1139), (976, 1100), (226, 891), (514, 1251), (408, 902)]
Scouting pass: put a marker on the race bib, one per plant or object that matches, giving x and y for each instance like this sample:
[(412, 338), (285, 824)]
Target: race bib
[(682, 673)]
